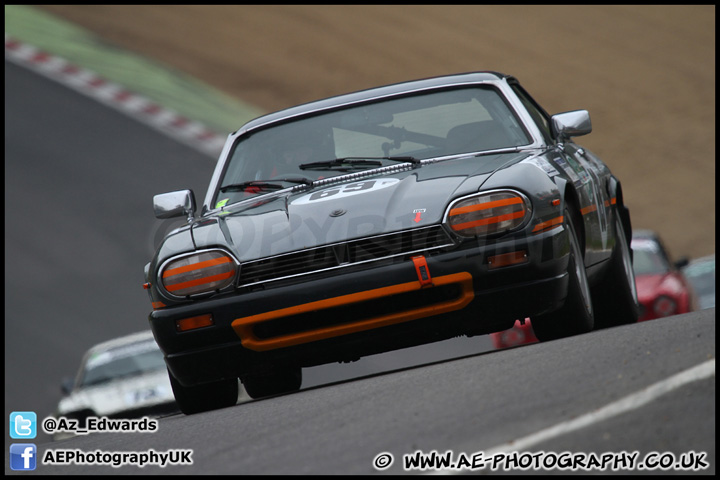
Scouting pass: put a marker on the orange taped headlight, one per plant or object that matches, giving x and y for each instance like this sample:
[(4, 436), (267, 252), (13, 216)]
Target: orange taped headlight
[(198, 273), (487, 214)]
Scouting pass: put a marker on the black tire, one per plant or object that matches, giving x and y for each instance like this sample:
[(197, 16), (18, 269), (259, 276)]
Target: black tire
[(274, 383), (208, 396), (576, 315), (615, 297)]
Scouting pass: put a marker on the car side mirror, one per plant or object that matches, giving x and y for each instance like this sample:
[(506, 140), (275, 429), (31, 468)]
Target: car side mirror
[(175, 204), (571, 124), (683, 262)]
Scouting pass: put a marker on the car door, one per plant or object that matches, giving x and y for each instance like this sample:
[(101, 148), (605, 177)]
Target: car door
[(589, 175)]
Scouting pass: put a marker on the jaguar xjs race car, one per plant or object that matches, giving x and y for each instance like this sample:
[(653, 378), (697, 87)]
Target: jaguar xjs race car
[(384, 219)]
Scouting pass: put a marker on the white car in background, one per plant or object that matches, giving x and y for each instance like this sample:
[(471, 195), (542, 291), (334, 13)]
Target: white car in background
[(122, 378), (701, 274)]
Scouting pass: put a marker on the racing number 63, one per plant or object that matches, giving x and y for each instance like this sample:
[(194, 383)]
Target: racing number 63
[(351, 188)]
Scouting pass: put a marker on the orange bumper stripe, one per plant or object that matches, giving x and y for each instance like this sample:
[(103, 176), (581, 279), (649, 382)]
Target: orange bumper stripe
[(243, 326)]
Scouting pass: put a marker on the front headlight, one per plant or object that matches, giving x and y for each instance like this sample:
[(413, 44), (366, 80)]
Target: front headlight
[(665, 306), (488, 213), (199, 272)]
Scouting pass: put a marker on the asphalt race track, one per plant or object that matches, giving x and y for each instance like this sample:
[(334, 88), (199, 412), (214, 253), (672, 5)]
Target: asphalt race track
[(469, 405), (79, 228)]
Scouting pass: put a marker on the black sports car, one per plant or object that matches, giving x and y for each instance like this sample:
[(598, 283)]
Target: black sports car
[(383, 219)]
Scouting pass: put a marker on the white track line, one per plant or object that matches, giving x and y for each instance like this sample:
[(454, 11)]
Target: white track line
[(625, 404)]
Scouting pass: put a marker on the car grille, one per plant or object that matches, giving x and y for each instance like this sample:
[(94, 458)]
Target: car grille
[(342, 255)]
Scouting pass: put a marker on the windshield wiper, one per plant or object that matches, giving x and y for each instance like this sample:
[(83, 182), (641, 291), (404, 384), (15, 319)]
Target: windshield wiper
[(347, 163), (342, 164), (264, 184)]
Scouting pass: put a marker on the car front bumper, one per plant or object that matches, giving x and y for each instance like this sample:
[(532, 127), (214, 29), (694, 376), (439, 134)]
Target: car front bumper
[(366, 311)]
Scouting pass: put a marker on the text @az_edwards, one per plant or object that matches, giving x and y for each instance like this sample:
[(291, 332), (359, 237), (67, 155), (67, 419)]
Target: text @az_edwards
[(52, 425)]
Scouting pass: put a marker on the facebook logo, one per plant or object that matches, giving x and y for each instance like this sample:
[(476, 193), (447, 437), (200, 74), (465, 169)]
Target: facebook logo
[(22, 456), (23, 425)]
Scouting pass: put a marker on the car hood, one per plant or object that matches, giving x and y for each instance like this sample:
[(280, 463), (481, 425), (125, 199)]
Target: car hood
[(121, 395), (353, 208)]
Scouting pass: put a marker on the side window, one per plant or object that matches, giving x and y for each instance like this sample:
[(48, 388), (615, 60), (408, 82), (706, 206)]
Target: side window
[(536, 112)]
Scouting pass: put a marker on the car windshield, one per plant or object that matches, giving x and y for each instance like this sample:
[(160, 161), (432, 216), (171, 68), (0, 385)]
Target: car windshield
[(647, 258), (366, 136), (125, 361)]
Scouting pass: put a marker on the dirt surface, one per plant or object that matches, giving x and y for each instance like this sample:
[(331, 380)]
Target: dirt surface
[(645, 73)]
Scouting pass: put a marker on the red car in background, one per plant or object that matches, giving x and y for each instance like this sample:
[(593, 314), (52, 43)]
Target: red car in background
[(520, 334), (663, 289)]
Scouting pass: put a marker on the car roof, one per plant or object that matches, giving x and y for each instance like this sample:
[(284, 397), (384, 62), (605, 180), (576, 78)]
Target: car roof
[(376, 92), (122, 341)]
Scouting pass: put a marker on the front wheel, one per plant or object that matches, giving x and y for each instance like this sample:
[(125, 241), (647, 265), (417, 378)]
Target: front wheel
[(201, 398), (576, 314), (615, 298)]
